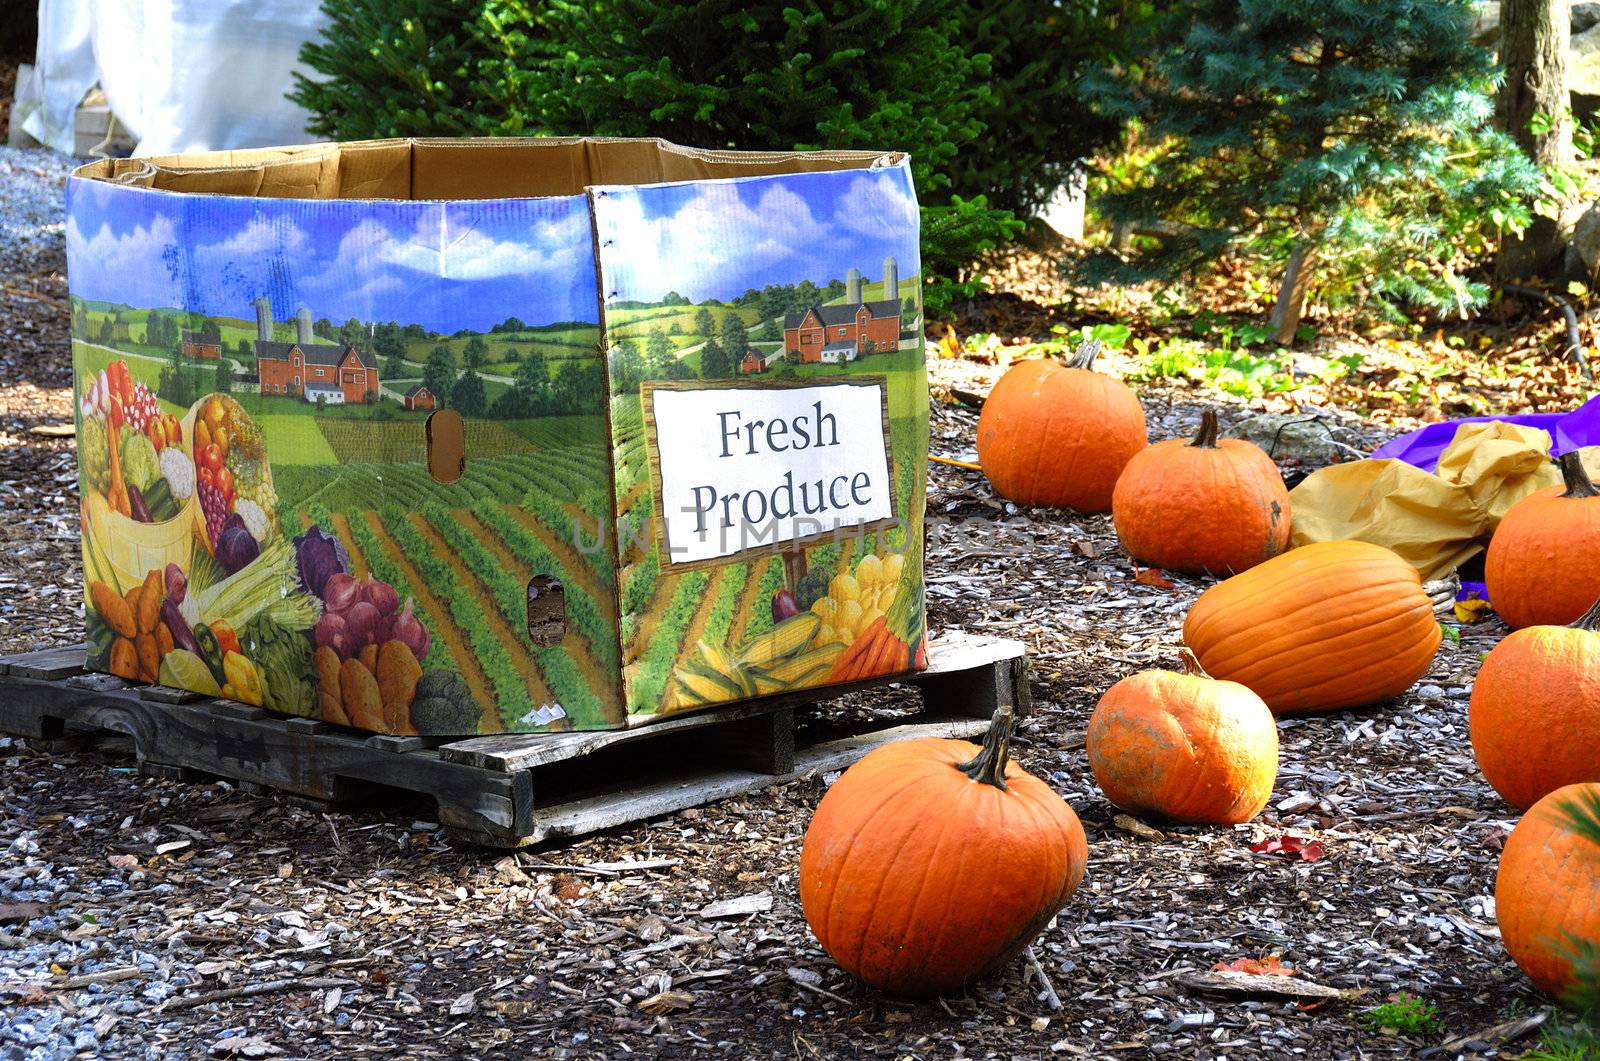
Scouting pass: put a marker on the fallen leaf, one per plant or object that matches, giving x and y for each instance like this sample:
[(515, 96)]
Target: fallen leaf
[(1291, 847), (1151, 576), (123, 861), (568, 888), (1472, 610), (1271, 965)]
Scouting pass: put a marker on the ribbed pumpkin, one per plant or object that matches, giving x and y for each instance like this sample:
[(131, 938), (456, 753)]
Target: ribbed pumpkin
[(931, 862), (1547, 892), (1326, 626), (1059, 435), (1535, 714), (1211, 505), (1185, 747), (1543, 566)]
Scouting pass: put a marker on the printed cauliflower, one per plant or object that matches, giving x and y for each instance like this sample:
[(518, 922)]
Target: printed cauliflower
[(179, 472)]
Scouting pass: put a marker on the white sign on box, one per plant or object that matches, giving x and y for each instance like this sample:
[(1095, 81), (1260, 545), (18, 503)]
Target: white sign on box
[(743, 468)]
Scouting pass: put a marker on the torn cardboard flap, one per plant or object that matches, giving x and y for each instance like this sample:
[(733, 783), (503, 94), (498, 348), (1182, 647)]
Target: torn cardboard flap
[(481, 168), (1436, 522)]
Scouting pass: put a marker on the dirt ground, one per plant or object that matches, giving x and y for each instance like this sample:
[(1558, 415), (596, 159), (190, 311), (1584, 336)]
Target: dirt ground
[(159, 919)]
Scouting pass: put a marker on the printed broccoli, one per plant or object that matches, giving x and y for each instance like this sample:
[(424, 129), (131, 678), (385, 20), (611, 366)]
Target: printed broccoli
[(444, 705), (94, 454), (140, 465)]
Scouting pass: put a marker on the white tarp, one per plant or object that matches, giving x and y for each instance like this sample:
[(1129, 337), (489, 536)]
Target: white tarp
[(180, 75)]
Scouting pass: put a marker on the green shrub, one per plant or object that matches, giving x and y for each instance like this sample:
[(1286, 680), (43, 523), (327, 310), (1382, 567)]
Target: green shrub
[(983, 95)]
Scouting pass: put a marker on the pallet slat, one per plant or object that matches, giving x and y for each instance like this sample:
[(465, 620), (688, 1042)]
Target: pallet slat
[(955, 662), (47, 664), (504, 791)]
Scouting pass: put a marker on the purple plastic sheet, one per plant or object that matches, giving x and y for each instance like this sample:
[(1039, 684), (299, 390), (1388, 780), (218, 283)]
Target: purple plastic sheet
[(1573, 430)]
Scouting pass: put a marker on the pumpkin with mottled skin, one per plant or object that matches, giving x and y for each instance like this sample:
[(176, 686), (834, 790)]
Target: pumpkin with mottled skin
[(1543, 564), (1535, 712), (1547, 892), (1326, 626), (1059, 435), (1208, 505), (1184, 747), (931, 863)]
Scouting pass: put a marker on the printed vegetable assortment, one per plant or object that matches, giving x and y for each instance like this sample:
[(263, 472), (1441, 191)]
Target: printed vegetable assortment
[(193, 584), (864, 621)]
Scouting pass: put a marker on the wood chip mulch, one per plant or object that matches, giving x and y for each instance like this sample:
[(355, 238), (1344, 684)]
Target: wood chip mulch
[(144, 918)]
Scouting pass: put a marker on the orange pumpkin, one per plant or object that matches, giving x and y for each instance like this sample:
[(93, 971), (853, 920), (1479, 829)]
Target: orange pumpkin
[(931, 862), (1185, 747), (1326, 626), (1543, 566), (1547, 893), (1535, 714), (1059, 435), (1210, 505)]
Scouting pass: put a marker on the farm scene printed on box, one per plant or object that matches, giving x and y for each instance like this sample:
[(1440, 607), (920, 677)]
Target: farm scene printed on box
[(262, 522), (768, 397), (259, 520)]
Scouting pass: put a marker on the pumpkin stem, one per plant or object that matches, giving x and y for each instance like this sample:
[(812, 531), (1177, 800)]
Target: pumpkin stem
[(1576, 476), (989, 765), (1589, 620), (1206, 437), (1191, 663), (1084, 355)]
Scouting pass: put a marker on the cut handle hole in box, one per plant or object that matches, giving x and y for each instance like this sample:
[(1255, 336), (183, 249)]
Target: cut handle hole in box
[(547, 611), (447, 445)]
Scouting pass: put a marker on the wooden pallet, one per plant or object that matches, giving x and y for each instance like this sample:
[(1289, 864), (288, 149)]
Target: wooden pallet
[(506, 790)]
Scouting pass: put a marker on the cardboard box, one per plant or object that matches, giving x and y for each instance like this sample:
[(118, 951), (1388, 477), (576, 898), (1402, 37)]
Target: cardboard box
[(499, 435)]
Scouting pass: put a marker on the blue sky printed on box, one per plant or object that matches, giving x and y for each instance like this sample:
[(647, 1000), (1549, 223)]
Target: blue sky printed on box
[(446, 266), (717, 239)]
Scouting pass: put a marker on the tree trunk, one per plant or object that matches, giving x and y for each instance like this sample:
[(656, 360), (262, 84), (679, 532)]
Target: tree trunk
[(1534, 37), (1285, 319)]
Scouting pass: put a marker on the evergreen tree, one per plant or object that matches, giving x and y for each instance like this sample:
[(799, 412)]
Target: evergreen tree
[(674, 328), (210, 330), (440, 374), (402, 68), (735, 340), (771, 331), (467, 395), (222, 383), (244, 349), (1335, 140), (714, 361), (476, 352)]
